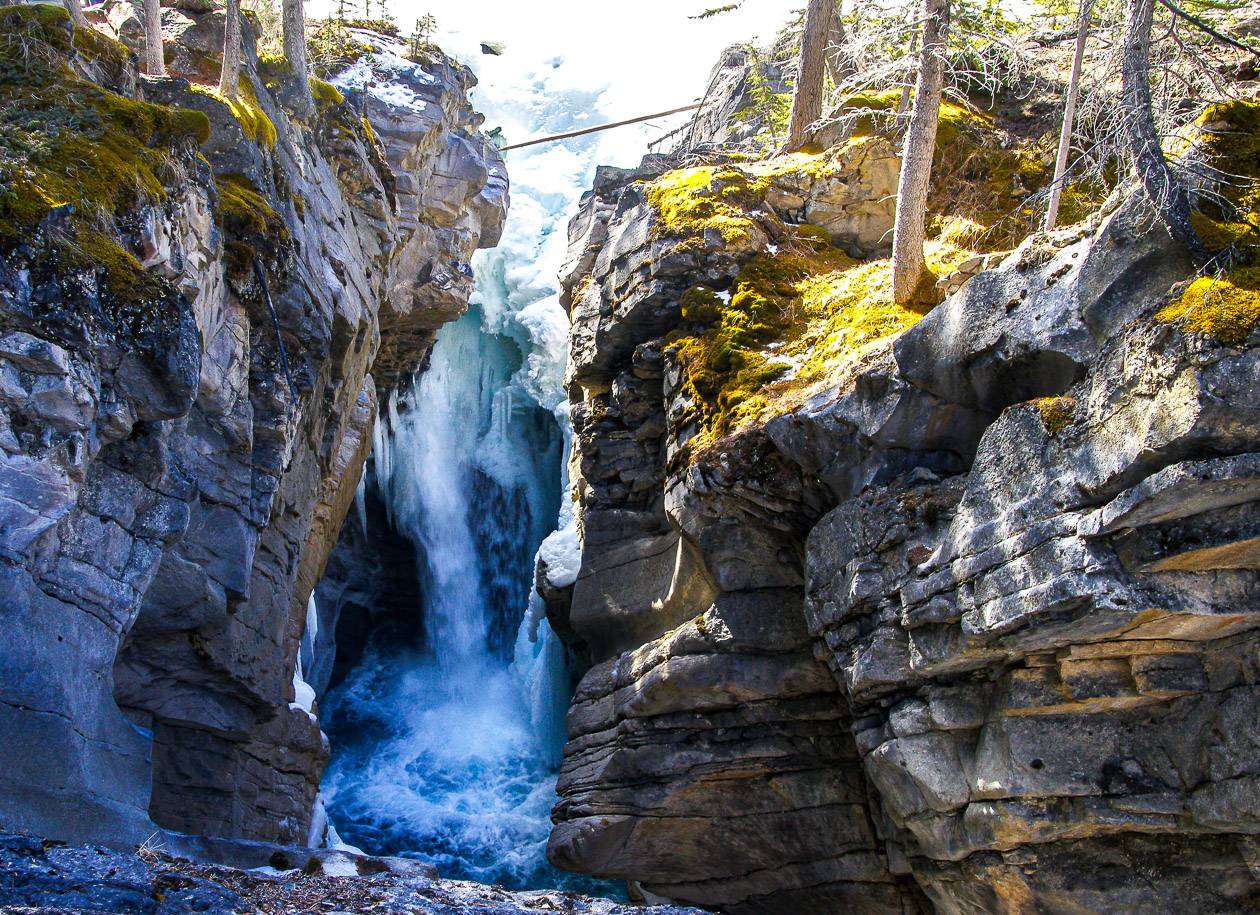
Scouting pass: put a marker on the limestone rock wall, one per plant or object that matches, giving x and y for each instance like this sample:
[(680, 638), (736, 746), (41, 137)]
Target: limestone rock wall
[(711, 757), (1051, 659), (169, 494), (974, 629)]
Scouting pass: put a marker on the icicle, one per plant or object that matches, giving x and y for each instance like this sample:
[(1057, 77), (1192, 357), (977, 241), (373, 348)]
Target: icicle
[(360, 500), (303, 693)]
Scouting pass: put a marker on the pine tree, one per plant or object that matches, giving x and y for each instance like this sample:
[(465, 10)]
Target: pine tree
[(807, 99), (77, 16), (1069, 114), (294, 23), (1163, 186), (422, 35), (230, 74), (909, 227), (154, 62)]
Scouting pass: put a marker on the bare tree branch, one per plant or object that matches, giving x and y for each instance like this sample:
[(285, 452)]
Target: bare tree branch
[(1207, 27)]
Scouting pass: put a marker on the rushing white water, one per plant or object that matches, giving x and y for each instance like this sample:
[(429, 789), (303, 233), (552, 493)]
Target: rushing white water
[(448, 753)]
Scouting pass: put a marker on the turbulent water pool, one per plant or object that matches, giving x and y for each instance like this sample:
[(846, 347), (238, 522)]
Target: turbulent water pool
[(447, 750)]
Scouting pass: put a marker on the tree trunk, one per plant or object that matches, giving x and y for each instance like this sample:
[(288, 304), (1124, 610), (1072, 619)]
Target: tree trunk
[(807, 99), (916, 155), (1167, 192), (154, 62), (1069, 114), (75, 9), (229, 76), (294, 24), (903, 103), (839, 64)]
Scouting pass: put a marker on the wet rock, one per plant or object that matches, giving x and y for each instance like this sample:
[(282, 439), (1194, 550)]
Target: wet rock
[(42, 878)]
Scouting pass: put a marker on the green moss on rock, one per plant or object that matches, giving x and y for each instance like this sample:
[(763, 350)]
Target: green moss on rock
[(48, 23), (94, 156), (325, 94), (1230, 144), (112, 56), (254, 122), (790, 322), (1226, 308), (1056, 412), (251, 225), (692, 201)]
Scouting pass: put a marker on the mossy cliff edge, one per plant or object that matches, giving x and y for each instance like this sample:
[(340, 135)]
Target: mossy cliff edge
[(199, 300), (949, 607)]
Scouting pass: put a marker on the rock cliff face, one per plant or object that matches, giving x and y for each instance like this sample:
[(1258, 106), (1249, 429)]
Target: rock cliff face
[(965, 622), (184, 412)]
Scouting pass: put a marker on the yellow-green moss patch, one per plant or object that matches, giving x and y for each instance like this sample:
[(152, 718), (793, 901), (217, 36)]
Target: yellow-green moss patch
[(113, 56), (250, 223), (73, 142), (68, 143), (1225, 308), (43, 22), (1230, 143), (868, 107), (325, 94), (789, 322), (254, 122), (274, 68), (1056, 412), (692, 201)]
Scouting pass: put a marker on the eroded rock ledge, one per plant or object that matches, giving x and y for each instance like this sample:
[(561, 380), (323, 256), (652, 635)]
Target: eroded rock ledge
[(183, 423), (970, 626)]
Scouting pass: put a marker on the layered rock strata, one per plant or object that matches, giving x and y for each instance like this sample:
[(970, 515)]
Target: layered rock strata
[(710, 757), (1051, 659), (972, 628), (170, 488)]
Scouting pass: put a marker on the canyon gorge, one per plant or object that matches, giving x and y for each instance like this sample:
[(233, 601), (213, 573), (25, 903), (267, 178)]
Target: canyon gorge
[(374, 537)]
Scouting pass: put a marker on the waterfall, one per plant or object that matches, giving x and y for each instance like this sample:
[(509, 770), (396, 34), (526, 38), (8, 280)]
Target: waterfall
[(448, 753), (448, 749)]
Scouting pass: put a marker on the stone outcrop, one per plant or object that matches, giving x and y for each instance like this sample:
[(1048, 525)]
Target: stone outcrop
[(971, 628), (174, 470), (1051, 658), (710, 757)]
